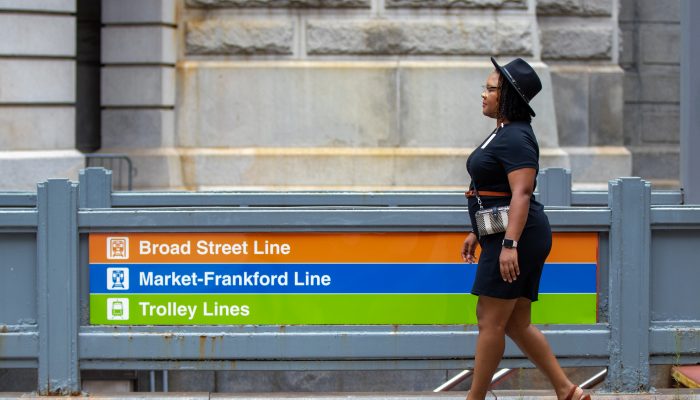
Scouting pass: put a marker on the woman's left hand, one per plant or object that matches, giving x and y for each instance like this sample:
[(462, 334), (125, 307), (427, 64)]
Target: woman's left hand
[(509, 264)]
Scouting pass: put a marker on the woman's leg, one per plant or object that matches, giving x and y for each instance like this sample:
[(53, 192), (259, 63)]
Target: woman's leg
[(533, 343), (492, 315)]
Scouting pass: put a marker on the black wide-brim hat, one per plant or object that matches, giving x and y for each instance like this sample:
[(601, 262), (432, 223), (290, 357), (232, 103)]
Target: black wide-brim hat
[(522, 78)]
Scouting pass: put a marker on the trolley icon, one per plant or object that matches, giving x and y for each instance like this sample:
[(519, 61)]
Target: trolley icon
[(117, 248), (118, 309), (117, 278)]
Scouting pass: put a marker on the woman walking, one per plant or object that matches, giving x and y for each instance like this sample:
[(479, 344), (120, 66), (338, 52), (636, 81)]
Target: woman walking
[(503, 171)]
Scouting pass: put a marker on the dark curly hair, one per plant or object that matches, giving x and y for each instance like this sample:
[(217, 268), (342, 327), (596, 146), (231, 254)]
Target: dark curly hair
[(510, 105)]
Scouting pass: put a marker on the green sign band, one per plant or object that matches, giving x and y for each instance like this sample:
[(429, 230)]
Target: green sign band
[(320, 309)]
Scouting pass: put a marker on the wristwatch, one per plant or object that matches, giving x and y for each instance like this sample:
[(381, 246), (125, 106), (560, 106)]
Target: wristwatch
[(510, 243)]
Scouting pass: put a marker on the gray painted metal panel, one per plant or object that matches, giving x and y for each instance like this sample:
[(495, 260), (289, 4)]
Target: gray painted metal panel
[(305, 219), (554, 187), (603, 277), (18, 364), (380, 199), (10, 220), (675, 217), (287, 199), (18, 199), (19, 345), (322, 344), (690, 100), (84, 279), (57, 281), (95, 188), (675, 339), (313, 219), (674, 360), (18, 292), (587, 219), (587, 198), (675, 269), (324, 365), (629, 285)]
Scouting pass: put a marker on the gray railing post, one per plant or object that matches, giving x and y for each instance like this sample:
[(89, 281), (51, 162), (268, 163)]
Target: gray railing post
[(629, 284), (554, 187), (95, 188), (57, 287)]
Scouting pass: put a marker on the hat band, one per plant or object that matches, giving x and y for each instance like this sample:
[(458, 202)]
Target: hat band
[(515, 84)]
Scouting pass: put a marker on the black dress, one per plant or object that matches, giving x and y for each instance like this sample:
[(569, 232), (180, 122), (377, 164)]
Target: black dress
[(509, 148)]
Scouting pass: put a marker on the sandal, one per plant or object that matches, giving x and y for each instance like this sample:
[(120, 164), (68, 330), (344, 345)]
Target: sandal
[(491, 391), (570, 396)]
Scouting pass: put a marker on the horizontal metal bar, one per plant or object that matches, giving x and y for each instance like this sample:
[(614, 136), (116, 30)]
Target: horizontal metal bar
[(674, 360), (675, 216), (16, 218), (19, 345), (288, 199), (213, 330), (675, 339), (666, 197), (325, 344), (340, 198), (276, 219), (579, 219), (18, 199), (7, 363), (582, 198), (246, 219), (316, 198), (322, 365)]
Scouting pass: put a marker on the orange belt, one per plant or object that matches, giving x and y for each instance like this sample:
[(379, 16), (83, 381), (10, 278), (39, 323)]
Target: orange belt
[(487, 193)]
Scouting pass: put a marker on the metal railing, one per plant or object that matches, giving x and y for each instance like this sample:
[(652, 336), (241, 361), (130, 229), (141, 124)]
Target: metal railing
[(647, 263), (122, 168)]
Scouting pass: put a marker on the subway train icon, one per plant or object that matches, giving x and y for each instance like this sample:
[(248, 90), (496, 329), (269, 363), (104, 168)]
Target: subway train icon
[(118, 278)]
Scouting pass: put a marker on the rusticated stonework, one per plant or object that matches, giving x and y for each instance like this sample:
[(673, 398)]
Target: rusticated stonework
[(456, 3), (418, 37), (576, 42), (229, 37), (278, 3), (584, 8)]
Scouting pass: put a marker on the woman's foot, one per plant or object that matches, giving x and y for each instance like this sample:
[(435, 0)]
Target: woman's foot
[(576, 393), (491, 391)]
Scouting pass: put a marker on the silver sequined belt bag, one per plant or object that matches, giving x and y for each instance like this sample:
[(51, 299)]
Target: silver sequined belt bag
[(492, 220)]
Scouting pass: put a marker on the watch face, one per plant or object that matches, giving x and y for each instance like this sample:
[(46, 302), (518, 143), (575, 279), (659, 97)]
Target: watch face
[(508, 243)]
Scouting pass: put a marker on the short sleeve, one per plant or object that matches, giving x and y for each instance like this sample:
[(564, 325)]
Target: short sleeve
[(518, 149)]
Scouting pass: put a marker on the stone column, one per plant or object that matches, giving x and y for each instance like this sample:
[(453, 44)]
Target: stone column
[(690, 102), (651, 59), (581, 44), (138, 88), (37, 92)]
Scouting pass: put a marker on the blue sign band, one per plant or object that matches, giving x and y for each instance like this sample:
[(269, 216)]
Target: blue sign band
[(318, 278)]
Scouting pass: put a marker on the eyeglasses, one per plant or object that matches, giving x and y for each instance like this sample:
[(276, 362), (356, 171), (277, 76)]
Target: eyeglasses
[(490, 89)]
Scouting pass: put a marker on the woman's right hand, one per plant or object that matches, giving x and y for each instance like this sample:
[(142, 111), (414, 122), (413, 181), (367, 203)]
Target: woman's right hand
[(469, 247)]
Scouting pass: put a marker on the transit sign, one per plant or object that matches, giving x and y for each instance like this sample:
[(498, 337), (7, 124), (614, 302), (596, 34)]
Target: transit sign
[(315, 279)]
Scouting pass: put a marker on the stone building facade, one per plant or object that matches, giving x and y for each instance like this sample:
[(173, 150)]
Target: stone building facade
[(650, 59), (363, 94)]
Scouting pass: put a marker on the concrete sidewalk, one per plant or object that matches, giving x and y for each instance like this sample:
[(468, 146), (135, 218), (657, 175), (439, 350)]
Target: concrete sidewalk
[(662, 394)]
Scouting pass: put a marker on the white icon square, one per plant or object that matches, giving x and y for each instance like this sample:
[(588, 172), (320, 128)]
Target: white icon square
[(117, 278), (117, 248), (117, 309)]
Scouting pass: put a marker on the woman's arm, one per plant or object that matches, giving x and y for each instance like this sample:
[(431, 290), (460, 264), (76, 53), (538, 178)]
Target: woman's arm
[(522, 182), (469, 248)]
